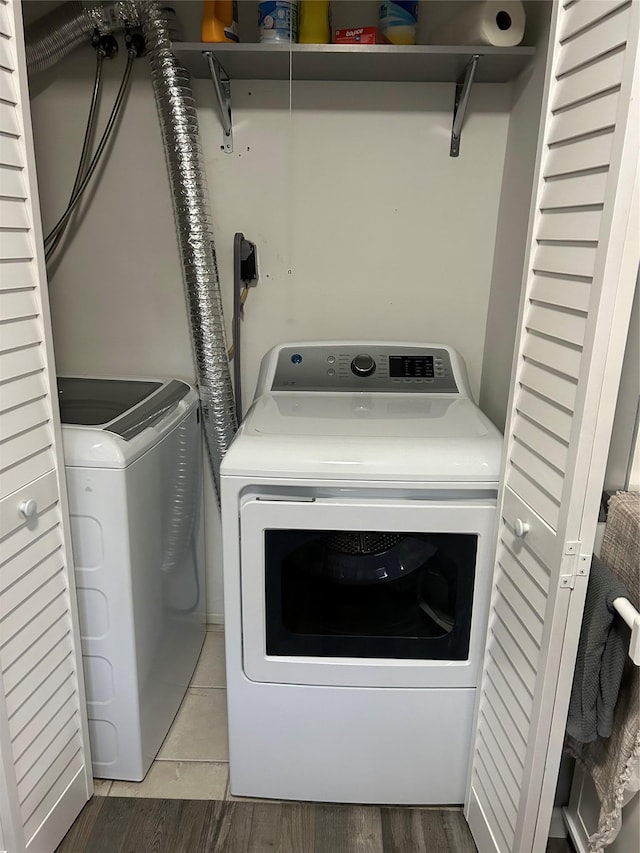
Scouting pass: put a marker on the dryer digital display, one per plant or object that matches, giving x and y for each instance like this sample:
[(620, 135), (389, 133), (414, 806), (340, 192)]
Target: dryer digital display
[(411, 366)]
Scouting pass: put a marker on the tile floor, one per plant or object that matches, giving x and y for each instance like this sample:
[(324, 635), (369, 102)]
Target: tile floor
[(193, 762)]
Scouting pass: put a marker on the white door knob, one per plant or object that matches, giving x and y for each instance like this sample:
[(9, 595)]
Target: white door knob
[(521, 528), (28, 508)]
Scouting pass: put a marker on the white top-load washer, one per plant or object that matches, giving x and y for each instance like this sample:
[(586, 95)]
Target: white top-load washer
[(132, 451), (358, 509)]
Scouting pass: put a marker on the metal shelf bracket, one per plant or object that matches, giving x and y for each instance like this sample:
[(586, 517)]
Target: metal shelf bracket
[(461, 102), (222, 88)]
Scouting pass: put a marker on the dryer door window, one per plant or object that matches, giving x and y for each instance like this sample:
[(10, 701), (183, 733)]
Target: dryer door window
[(364, 591), (369, 594)]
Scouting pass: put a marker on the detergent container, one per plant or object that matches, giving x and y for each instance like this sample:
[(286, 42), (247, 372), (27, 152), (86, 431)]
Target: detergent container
[(278, 20), (220, 20), (398, 21), (315, 22)]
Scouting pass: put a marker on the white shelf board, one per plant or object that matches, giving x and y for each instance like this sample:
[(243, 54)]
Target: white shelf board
[(416, 63)]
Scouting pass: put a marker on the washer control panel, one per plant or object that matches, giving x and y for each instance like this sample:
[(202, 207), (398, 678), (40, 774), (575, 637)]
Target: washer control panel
[(362, 367)]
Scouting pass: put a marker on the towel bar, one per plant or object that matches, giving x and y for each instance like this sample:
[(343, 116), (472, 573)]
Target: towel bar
[(631, 616)]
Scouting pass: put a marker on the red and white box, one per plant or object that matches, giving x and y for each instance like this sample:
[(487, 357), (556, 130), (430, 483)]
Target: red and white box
[(360, 35)]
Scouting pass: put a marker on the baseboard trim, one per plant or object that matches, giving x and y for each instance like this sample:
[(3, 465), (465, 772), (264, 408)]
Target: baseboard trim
[(576, 832), (558, 828)]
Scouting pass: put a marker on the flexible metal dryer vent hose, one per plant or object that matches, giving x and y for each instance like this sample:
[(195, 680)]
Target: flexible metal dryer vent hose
[(183, 151), (56, 35)]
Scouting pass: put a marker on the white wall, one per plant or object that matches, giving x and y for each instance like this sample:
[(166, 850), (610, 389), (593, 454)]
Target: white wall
[(116, 291), (365, 226), (513, 218), (353, 191), (623, 464)]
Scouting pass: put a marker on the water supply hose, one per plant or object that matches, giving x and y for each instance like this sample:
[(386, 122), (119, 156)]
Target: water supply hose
[(77, 195), (86, 144), (53, 38)]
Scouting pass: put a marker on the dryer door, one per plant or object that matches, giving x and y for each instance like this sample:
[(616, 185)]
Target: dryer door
[(365, 592)]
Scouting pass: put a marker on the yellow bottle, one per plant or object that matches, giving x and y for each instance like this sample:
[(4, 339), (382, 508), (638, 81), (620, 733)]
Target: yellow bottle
[(220, 20), (315, 22)]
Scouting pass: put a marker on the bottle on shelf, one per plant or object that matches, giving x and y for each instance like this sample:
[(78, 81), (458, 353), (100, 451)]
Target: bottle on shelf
[(315, 22), (398, 21), (278, 20), (220, 21)]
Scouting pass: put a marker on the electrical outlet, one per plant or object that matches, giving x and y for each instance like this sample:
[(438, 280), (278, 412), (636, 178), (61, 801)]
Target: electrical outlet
[(248, 262)]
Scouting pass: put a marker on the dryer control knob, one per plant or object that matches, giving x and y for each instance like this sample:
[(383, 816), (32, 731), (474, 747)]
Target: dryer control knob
[(521, 528), (363, 365)]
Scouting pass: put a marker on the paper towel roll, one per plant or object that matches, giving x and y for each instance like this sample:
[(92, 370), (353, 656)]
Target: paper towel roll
[(496, 22)]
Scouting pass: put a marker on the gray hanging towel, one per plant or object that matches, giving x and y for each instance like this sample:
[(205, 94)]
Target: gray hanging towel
[(610, 761), (602, 653)]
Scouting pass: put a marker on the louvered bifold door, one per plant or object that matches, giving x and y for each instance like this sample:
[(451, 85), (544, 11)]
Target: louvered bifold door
[(579, 277), (44, 779)]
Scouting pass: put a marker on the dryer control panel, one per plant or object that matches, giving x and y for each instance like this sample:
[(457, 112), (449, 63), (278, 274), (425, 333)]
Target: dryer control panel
[(364, 367)]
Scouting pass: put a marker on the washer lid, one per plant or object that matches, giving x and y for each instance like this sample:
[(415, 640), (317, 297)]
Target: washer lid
[(114, 404), (108, 423), (358, 436)]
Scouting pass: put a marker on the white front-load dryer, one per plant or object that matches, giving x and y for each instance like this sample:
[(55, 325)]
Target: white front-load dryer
[(358, 509)]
